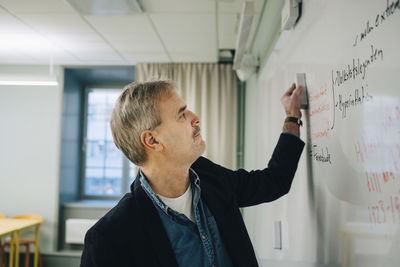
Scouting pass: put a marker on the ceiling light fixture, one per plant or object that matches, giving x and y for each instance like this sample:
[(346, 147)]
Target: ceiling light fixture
[(107, 7), (31, 80), (34, 83)]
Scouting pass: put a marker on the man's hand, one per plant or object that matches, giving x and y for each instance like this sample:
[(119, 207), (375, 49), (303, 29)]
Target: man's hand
[(291, 101)]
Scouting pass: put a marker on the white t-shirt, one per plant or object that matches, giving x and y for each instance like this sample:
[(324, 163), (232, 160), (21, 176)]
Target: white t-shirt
[(182, 204)]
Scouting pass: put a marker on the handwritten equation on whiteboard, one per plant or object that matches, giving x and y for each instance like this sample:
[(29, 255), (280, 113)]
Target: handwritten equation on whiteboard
[(355, 118)]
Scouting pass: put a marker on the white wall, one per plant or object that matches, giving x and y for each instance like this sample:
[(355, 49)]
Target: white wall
[(30, 122)]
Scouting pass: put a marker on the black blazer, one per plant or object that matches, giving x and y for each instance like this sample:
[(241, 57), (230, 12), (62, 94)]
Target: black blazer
[(132, 234)]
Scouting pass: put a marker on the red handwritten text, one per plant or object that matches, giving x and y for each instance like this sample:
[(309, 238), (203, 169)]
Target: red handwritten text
[(316, 96), (385, 211)]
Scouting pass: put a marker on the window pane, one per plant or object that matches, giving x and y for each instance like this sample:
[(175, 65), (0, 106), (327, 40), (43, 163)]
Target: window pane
[(95, 153), (97, 102), (109, 134), (103, 170), (113, 155), (94, 181), (112, 98), (113, 181), (97, 125)]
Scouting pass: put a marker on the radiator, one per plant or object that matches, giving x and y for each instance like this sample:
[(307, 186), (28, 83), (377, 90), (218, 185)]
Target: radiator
[(75, 230)]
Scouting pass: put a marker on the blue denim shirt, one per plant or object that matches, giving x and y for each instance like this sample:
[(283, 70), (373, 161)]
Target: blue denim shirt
[(194, 244)]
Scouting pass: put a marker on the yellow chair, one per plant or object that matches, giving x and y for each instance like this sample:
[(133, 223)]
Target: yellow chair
[(2, 246), (28, 241)]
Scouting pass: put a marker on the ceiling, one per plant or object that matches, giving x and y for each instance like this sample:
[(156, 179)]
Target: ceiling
[(53, 32)]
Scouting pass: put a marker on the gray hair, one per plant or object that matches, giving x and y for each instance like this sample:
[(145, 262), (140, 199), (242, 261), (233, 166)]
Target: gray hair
[(135, 111)]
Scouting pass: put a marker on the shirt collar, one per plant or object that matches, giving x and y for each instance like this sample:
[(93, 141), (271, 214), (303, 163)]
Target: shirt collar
[(194, 180)]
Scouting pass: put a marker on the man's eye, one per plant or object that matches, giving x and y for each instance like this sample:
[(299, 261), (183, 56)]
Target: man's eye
[(183, 116)]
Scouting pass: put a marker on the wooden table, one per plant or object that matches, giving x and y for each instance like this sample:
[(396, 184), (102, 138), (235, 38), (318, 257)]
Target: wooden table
[(13, 227)]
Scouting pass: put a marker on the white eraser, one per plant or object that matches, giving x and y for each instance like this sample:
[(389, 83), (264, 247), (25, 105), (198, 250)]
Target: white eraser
[(301, 80)]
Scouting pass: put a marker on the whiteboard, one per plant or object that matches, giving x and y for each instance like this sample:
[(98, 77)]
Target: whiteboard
[(344, 207)]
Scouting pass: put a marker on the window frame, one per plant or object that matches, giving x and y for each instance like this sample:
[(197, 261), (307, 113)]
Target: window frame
[(125, 183)]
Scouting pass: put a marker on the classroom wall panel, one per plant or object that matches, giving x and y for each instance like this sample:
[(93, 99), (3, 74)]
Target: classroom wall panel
[(30, 119)]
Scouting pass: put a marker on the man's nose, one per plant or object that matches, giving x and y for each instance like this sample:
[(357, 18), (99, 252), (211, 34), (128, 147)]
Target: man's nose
[(195, 119)]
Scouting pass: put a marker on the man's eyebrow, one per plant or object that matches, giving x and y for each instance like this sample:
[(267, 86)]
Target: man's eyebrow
[(182, 109)]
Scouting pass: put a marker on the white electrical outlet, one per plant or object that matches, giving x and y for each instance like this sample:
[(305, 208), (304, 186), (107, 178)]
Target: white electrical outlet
[(277, 235)]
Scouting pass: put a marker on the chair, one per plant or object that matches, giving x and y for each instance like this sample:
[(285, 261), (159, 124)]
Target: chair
[(2, 246), (28, 241)]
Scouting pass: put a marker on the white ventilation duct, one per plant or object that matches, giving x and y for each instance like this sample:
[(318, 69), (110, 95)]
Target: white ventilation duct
[(247, 67), (244, 63)]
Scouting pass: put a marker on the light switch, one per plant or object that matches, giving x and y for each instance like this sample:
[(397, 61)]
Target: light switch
[(277, 235)]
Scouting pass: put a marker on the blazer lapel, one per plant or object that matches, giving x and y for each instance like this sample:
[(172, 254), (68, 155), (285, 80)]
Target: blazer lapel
[(231, 227), (153, 227)]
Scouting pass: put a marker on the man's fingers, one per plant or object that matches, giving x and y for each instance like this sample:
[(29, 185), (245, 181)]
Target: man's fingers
[(291, 89), (299, 89)]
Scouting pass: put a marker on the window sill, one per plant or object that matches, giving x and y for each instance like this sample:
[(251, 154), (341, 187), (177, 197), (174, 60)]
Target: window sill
[(100, 204)]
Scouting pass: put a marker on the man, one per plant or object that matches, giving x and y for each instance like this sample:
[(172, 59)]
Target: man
[(183, 209)]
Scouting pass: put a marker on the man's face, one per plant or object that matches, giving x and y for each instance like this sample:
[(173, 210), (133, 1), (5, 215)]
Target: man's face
[(179, 131)]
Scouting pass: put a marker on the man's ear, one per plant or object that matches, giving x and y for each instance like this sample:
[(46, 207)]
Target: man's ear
[(150, 141)]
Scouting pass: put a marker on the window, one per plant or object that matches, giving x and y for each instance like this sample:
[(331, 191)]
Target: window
[(106, 172)]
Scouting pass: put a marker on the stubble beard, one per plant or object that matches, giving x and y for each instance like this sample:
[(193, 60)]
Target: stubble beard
[(203, 147), (200, 147)]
